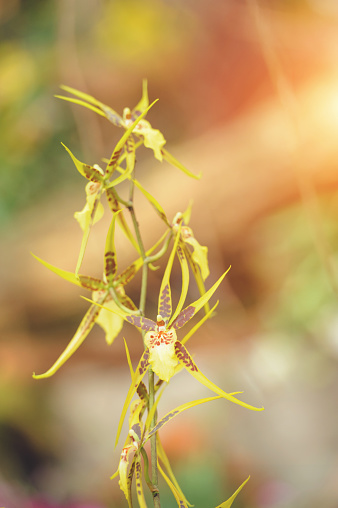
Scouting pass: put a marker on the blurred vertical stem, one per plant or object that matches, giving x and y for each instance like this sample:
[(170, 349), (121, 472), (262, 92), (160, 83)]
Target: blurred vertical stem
[(142, 304)]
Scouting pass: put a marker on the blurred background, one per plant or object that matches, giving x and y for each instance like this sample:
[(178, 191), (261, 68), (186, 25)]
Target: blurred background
[(249, 96)]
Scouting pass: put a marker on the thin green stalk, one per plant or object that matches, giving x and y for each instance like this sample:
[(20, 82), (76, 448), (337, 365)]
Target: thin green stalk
[(153, 445), (125, 309), (142, 305)]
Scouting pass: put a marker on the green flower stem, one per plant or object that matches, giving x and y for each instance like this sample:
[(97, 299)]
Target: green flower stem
[(142, 305), (153, 446), (161, 252)]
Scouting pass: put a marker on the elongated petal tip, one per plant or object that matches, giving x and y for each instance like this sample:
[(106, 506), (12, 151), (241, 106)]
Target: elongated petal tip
[(40, 376)]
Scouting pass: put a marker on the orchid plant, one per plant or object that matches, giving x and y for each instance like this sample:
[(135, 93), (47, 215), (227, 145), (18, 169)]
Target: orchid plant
[(164, 353)]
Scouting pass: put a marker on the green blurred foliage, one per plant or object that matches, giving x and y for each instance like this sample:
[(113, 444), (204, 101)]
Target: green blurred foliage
[(300, 283), (30, 122)]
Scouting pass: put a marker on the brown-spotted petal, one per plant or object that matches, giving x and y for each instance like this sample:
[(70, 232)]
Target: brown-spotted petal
[(139, 486), (92, 173), (139, 374), (186, 314), (188, 363), (110, 264), (164, 301), (81, 333)]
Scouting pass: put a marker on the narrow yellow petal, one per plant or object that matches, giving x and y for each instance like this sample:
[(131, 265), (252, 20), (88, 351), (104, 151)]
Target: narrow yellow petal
[(81, 103), (186, 314), (199, 324), (92, 173), (181, 501), (71, 277), (189, 364), (174, 162), (140, 372), (81, 333), (231, 499), (169, 416), (165, 461)]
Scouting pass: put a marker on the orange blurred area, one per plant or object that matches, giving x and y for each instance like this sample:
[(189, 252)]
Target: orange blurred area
[(248, 95)]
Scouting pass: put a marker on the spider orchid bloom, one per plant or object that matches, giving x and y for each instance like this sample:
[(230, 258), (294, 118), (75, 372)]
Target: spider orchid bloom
[(130, 459), (139, 434), (108, 290), (148, 136), (163, 349), (99, 181)]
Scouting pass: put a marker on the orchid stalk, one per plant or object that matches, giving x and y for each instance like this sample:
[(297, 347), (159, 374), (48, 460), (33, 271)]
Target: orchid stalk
[(165, 353)]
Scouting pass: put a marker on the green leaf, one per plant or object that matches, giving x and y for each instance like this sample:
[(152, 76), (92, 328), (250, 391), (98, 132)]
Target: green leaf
[(231, 499)]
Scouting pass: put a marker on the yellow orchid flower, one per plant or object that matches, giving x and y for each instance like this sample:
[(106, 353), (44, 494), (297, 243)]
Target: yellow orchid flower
[(100, 182), (130, 460), (103, 291), (138, 435), (150, 137), (163, 348)]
